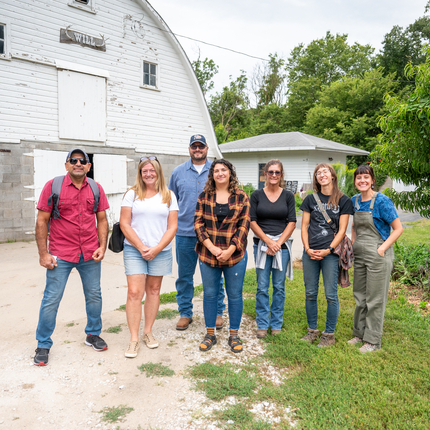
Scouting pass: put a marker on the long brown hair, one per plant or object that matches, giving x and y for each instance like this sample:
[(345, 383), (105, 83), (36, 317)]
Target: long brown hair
[(273, 162), (336, 194), (233, 181), (139, 186)]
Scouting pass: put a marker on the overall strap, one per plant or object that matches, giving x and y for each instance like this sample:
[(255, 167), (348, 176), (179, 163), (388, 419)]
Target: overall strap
[(324, 212), (357, 206), (372, 202)]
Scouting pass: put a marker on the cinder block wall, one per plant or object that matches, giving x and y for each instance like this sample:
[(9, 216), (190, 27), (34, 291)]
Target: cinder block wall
[(17, 215)]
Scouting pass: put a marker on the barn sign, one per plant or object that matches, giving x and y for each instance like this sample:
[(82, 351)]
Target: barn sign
[(71, 36)]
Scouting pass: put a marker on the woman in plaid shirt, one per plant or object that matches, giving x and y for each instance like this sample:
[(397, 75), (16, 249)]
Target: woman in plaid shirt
[(221, 223)]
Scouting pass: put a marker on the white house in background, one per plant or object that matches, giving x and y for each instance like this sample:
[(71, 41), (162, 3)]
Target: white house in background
[(104, 75), (298, 152)]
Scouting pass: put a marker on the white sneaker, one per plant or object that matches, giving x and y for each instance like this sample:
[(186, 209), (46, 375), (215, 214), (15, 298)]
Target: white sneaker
[(133, 348), (355, 340), (368, 347), (150, 340)]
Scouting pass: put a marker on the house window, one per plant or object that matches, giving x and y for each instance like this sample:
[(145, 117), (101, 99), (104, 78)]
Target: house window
[(261, 177), (150, 75)]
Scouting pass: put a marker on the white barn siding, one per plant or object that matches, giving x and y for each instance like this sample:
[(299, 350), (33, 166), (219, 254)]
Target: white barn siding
[(139, 118)]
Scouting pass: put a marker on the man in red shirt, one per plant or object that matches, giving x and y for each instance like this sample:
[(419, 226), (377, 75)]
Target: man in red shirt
[(75, 240)]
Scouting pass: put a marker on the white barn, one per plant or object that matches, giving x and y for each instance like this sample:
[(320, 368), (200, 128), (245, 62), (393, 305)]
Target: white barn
[(104, 75), (298, 152)]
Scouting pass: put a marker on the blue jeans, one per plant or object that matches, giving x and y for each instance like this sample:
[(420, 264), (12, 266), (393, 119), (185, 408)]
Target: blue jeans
[(278, 296), (329, 266), (56, 280), (234, 277), (186, 258)]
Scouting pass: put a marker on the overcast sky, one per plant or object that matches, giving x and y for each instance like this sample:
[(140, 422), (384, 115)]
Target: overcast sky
[(261, 27)]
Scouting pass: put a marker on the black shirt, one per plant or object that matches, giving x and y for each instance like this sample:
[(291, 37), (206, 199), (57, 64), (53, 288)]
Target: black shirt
[(272, 217), (320, 234), (221, 211)]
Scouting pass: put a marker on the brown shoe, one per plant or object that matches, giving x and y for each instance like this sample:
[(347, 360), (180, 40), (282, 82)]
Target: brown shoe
[(327, 339), (261, 334), (312, 336), (275, 332), (183, 323), (219, 322)]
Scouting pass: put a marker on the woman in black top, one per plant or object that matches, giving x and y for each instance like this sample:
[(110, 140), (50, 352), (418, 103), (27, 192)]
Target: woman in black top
[(273, 219), (320, 241)]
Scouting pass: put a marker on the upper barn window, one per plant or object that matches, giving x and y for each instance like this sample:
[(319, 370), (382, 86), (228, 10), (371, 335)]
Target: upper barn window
[(2, 39), (150, 75), (5, 40), (87, 5)]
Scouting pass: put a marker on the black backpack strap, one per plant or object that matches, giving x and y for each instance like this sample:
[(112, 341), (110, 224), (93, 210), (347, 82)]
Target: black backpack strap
[(96, 193), (54, 198), (325, 214)]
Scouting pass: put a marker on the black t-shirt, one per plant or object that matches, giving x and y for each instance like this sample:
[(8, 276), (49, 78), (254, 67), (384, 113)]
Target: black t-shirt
[(272, 218), (221, 211), (320, 234)]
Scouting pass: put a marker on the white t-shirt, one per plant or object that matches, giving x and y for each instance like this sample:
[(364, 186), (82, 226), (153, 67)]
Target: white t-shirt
[(149, 217), (199, 167)]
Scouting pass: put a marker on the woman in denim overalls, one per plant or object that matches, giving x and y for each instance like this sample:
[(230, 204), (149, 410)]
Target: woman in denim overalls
[(374, 214)]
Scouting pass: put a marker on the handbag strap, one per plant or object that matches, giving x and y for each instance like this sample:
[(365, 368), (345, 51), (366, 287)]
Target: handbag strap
[(328, 220)]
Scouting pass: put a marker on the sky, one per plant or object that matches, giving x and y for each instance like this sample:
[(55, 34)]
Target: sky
[(258, 27)]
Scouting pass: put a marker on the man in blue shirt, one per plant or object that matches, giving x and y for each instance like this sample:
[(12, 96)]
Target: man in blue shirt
[(187, 182)]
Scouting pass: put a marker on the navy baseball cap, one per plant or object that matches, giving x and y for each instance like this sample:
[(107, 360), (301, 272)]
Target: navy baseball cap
[(78, 150), (198, 138)]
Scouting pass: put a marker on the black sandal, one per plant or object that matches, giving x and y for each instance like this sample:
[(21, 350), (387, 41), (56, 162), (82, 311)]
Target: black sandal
[(209, 341), (234, 341)]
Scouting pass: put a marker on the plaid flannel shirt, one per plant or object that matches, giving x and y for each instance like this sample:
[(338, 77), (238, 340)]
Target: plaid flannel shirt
[(233, 230)]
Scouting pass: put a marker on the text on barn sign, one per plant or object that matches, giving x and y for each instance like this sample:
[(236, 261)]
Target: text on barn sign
[(70, 36)]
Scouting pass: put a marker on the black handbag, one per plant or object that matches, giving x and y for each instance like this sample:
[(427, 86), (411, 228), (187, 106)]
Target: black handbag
[(116, 241)]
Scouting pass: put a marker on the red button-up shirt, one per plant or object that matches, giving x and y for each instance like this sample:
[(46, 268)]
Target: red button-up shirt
[(76, 231)]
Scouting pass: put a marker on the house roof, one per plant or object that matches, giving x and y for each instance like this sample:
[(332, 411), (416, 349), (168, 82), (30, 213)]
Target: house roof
[(292, 141)]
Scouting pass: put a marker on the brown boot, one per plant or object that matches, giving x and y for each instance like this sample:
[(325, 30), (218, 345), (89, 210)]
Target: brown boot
[(219, 322), (183, 323), (327, 339), (312, 335), (261, 334)]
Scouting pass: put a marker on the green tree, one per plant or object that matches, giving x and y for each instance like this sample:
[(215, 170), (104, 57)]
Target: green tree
[(347, 111), (268, 81), (404, 144), (205, 70), (229, 107), (320, 63)]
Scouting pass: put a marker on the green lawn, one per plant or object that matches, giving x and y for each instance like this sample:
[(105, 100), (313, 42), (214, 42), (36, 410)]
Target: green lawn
[(416, 232), (337, 387)]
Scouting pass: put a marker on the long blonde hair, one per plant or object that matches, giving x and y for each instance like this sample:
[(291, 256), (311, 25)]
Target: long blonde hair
[(139, 186), (336, 194)]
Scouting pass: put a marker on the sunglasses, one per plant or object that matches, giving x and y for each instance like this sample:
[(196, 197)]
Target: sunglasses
[(194, 147), (151, 157), (274, 173), (74, 161)]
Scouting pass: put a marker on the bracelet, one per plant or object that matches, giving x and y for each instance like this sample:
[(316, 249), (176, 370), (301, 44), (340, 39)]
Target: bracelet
[(306, 250)]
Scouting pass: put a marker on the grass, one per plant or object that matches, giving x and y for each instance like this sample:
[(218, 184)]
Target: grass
[(333, 388), (419, 233), (115, 413), (115, 329), (169, 297), (155, 369), (167, 313)]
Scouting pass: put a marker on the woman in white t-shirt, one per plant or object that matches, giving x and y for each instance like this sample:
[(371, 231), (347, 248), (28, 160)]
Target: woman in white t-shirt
[(149, 220)]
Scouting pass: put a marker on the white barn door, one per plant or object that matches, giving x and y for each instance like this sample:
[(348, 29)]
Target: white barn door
[(110, 171)]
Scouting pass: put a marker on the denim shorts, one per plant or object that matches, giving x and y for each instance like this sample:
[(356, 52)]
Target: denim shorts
[(134, 264)]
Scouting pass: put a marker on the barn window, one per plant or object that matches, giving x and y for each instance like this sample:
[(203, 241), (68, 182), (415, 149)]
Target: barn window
[(4, 40), (150, 75), (86, 5), (2, 37)]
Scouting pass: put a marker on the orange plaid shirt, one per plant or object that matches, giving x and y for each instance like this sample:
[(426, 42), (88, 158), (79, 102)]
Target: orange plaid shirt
[(233, 230)]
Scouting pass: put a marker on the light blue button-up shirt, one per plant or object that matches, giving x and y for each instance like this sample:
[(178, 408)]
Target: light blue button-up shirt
[(187, 184)]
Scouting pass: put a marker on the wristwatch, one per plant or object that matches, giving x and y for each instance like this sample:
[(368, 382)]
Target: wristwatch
[(331, 249)]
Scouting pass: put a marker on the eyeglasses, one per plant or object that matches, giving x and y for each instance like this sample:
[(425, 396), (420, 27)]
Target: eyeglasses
[(274, 173), (151, 157), (194, 147), (74, 161), (322, 172)]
